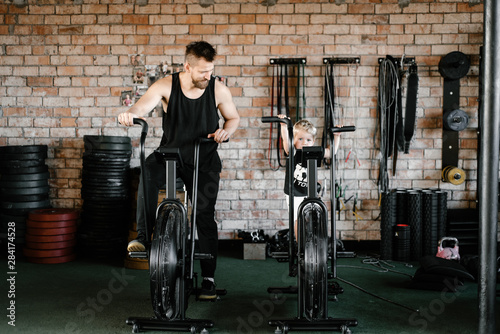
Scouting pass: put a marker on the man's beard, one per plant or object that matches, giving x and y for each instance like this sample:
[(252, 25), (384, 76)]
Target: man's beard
[(201, 84)]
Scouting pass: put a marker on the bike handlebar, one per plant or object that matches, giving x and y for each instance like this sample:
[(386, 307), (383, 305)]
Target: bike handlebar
[(348, 128), (142, 123), (209, 140), (273, 119), (286, 120)]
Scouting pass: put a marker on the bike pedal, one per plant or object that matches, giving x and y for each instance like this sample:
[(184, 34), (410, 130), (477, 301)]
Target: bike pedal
[(138, 255), (201, 256)]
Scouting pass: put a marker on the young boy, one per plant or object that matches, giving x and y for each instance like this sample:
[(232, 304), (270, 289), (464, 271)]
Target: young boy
[(304, 134)]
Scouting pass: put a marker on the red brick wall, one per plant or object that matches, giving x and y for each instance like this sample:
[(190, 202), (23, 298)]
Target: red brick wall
[(64, 64)]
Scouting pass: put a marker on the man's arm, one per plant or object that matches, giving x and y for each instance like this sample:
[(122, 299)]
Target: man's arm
[(227, 108), (160, 89)]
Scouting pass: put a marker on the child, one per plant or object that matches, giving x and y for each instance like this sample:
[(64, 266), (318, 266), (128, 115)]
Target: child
[(304, 134)]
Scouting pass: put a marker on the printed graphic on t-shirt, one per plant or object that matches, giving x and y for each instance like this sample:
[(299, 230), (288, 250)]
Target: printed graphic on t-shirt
[(300, 176)]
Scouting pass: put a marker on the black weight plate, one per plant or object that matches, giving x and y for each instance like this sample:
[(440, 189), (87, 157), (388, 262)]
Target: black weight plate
[(106, 139), (105, 168), (103, 194), (109, 163), (21, 163), (25, 177), (24, 198), (23, 149), (105, 158), (100, 197), (104, 184), (24, 156), (25, 191), (107, 154), (104, 176), (454, 65), (105, 164), (24, 170), (25, 205), (108, 147), (99, 168), (24, 184)]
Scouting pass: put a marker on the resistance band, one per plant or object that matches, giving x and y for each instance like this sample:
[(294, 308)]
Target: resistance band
[(411, 106)]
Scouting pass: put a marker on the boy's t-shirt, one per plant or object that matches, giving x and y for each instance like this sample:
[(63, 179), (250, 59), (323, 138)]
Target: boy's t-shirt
[(299, 176)]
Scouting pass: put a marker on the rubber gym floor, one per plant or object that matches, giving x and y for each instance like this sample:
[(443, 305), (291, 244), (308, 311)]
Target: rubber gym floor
[(90, 296)]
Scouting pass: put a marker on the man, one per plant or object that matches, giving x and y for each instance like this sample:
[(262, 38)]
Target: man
[(190, 101)]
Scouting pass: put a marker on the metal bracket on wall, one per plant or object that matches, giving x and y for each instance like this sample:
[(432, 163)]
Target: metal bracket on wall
[(278, 61), (342, 60), (397, 60)]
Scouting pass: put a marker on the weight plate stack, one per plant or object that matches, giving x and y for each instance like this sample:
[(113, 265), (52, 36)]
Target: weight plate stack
[(51, 236), (106, 196), (23, 185)]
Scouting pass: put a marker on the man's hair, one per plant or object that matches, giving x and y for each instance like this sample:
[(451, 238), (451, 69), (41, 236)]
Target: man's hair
[(201, 49), (306, 126)]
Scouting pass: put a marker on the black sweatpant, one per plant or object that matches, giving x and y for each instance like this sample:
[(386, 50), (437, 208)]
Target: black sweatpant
[(208, 189)]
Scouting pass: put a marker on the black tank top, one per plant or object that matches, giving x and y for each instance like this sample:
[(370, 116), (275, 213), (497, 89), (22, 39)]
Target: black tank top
[(188, 119)]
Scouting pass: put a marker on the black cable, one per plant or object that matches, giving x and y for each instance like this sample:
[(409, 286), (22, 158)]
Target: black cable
[(376, 296), (387, 100)]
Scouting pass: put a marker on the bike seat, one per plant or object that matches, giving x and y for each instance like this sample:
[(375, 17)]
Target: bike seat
[(312, 153), (167, 153)]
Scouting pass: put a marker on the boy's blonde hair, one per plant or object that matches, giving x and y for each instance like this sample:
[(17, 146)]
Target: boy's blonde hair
[(306, 126)]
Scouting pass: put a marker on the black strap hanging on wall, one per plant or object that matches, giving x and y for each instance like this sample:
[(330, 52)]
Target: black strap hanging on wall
[(411, 106)]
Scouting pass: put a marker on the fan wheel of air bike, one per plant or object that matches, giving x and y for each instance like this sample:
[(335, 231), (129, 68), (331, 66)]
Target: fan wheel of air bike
[(165, 257), (315, 279)]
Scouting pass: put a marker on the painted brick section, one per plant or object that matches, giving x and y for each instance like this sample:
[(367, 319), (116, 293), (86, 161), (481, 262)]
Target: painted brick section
[(63, 67)]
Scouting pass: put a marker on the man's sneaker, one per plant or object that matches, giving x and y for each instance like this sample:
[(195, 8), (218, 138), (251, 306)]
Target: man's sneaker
[(136, 245), (207, 291)]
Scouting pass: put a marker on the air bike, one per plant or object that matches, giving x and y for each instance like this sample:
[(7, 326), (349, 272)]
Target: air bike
[(171, 250), (309, 258)]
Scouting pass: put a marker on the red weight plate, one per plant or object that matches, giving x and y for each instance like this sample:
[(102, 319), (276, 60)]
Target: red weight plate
[(52, 231), (49, 238), (50, 245), (53, 214), (51, 260), (46, 224), (28, 252)]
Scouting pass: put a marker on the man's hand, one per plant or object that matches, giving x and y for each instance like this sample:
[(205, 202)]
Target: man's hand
[(127, 118), (219, 136)]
